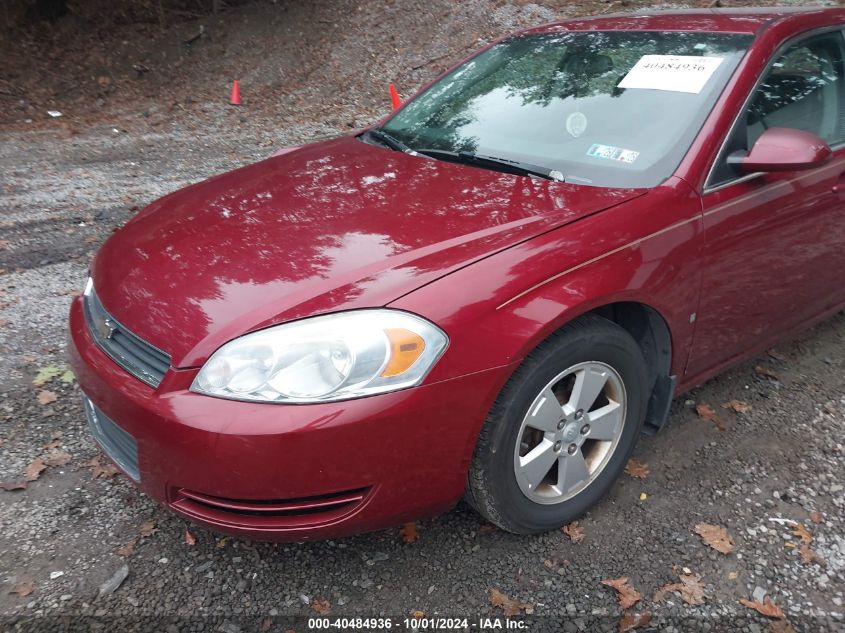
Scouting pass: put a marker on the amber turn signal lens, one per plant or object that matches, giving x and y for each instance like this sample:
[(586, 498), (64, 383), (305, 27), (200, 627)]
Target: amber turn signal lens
[(405, 348)]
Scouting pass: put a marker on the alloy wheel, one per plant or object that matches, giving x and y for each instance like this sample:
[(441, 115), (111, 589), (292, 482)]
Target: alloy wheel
[(570, 432)]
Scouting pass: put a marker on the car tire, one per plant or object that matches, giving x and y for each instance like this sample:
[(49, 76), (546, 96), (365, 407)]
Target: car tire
[(511, 453)]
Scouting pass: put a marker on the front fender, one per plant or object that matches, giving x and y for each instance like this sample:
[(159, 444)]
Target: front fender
[(496, 311)]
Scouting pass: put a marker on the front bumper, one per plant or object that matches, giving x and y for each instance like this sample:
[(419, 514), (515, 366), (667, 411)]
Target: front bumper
[(291, 472)]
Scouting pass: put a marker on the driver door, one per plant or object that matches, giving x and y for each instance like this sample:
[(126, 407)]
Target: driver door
[(775, 242)]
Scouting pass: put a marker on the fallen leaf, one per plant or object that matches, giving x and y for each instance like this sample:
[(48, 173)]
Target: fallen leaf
[(776, 355), (706, 412), (408, 532), (127, 550), (767, 607), (509, 606), (266, 623), (781, 626), (46, 374), (67, 376), (737, 405), (221, 543), (34, 470), (46, 397), (574, 531), (23, 588), (628, 596), (716, 537), (100, 468), (807, 555), (147, 528), (58, 458), (816, 517), (691, 589), (637, 469), (418, 614), (643, 496), (765, 371), (802, 533), (190, 539), (321, 606), (631, 621), (13, 485), (733, 575), (52, 444), (5, 243)]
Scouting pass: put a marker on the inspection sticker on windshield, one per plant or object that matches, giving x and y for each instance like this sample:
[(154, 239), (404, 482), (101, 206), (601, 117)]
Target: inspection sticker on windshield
[(612, 153), (676, 73)]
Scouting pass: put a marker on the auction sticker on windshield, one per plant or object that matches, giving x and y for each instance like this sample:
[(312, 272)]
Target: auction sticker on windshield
[(676, 73), (612, 153)]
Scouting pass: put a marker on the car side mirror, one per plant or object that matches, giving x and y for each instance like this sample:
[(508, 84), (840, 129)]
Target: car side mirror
[(782, 149)]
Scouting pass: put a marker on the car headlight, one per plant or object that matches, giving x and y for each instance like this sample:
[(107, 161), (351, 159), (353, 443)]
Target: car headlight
[(324, 358)]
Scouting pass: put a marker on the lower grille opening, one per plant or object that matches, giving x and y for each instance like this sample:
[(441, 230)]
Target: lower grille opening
[(119, 445), (271, 513)]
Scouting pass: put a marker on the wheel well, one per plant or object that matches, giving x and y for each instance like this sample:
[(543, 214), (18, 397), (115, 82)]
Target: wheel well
[(651, 333)]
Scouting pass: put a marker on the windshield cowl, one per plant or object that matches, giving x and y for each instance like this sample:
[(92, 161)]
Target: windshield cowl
[(495, 163)]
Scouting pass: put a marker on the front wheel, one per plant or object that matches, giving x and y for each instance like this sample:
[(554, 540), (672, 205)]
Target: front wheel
[(561, 430)]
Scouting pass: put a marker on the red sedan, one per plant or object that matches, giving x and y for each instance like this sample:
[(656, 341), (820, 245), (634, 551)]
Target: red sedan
[(491, 294)]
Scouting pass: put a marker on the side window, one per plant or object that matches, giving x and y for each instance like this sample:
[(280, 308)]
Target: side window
[(804, 89)]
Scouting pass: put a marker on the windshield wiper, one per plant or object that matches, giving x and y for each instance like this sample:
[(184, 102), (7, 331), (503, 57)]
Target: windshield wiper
[(494, 162), (386, 139)]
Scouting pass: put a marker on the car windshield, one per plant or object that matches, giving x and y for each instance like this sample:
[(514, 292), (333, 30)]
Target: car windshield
[(604, 108)]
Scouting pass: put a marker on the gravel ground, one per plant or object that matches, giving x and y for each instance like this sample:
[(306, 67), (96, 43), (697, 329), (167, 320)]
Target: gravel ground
[(759, 473)]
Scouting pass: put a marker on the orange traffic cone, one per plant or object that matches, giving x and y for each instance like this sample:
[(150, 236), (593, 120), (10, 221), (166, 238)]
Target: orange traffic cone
[(394, 97), (235, 98)]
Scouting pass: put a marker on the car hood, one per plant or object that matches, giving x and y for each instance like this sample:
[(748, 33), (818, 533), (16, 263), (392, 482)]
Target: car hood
[(330, 226)]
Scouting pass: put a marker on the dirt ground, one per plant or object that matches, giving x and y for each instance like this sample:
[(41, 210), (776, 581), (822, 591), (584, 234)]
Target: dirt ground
[(310, 70)]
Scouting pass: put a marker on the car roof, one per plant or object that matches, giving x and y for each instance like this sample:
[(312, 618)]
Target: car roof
[(732, 20)]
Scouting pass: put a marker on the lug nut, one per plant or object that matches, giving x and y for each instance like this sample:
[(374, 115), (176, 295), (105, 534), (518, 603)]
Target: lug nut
[(572, 448), (561, 424), (585, 429), (557, 446), (579, 414)]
